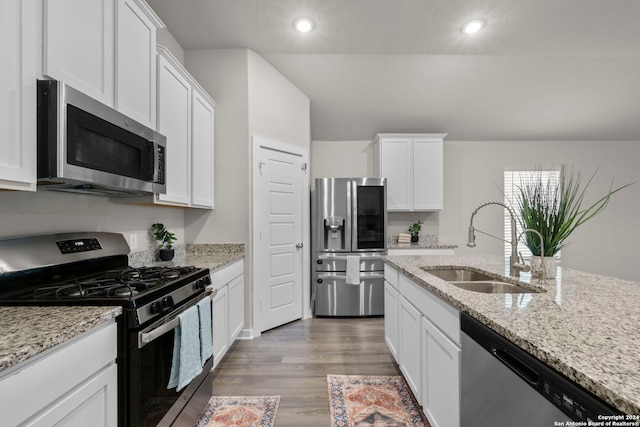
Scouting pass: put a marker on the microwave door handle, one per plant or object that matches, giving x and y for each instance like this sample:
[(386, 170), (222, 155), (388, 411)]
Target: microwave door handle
[(156, 161)]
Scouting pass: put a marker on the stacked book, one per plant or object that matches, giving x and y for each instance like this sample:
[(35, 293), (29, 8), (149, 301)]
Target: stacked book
[(404, 238)]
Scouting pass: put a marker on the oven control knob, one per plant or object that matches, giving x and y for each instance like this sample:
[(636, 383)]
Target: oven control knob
[(202, 283), (156, 307), (167, 303)]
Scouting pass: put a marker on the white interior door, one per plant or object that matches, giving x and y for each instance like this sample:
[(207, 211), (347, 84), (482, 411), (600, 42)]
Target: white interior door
[(278, 241)]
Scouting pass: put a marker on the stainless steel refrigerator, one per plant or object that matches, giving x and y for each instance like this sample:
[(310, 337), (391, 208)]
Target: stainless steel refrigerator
[(349, 237)]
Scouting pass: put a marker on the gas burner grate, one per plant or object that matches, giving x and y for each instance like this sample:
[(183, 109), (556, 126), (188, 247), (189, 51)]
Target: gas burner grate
[(122, 283)]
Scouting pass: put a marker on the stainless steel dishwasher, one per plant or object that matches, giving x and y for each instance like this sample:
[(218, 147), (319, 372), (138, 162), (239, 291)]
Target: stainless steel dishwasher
[(502, 385)]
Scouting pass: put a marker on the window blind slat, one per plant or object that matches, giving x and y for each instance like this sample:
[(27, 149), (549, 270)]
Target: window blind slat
[(513, 179)]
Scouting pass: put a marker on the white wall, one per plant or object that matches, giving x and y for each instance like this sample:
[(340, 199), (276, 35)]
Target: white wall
[(342, 159), (42, 212), (253, 99), (277, 109), (474, 174), (166, 39), (223, 74)]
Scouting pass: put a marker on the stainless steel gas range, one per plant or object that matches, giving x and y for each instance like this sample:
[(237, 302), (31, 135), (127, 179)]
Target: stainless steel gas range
[(92, 269)]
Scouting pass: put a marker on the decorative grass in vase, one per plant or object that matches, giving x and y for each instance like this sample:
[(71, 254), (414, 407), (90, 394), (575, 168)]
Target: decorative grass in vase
[(555, 209)]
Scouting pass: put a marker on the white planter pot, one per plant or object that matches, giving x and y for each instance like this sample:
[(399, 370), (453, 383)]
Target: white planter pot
[(550, 267)]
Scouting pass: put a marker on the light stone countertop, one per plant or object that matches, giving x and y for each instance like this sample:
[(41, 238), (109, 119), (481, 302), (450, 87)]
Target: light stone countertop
[(26, 332), (585, 326), (213, 256), (428, 241)]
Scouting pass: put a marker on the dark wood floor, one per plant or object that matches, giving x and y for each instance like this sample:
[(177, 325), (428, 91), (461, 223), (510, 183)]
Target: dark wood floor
[(293, 361)]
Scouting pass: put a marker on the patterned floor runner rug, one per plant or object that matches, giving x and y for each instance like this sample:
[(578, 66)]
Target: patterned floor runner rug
[(243, 411), (363, 401)]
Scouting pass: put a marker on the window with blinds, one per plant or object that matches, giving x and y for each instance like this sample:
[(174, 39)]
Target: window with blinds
[(513, 179)]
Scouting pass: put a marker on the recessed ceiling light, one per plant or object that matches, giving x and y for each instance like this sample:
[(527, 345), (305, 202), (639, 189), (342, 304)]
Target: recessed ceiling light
[(473, 27), (304, 25)]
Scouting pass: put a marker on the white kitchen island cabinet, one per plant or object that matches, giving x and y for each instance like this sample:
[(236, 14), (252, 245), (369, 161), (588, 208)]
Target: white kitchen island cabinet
[(440, 376), (409, 355), (18, 49), (391, 311), (74, 385), (429, 348), (227, 308), (413, 166)]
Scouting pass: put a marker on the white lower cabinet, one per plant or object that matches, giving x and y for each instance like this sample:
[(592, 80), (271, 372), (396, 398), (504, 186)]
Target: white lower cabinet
[(440, 377), (227, 308), (391, 323), (220, 325), (427, 332), (410, 357), (76, 385), (236, 307)]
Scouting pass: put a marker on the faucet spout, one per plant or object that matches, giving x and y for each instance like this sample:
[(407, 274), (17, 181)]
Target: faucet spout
[(542, 271), (514, 271)]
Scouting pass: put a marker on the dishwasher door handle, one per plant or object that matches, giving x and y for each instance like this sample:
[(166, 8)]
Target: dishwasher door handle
[(516, 365)]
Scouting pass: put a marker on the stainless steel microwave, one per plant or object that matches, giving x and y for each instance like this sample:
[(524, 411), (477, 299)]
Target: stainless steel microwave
[(85, 146)]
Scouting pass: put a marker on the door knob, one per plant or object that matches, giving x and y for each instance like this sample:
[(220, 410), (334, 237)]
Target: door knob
[(299, 245)]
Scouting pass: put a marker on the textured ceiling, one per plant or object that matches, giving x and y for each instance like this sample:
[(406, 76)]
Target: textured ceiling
[(542, 69)]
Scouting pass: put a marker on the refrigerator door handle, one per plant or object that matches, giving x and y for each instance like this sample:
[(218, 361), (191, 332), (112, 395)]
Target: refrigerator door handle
[(344, 276)]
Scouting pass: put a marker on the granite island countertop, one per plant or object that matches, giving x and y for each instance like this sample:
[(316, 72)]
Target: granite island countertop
[(585, 326), (26, 332)]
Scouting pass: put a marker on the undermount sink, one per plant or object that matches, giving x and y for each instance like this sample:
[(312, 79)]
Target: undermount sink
[(493, 287), (471, 280), (458, 275)]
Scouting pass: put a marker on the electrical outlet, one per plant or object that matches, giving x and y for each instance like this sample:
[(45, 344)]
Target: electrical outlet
[(133, 241)]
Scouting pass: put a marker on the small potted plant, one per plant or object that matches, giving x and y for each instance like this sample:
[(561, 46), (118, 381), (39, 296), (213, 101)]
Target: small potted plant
[(414, 230), (166, 239)]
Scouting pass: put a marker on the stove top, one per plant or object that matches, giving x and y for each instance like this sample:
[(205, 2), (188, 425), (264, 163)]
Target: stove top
[(125, 284), (92, 269)]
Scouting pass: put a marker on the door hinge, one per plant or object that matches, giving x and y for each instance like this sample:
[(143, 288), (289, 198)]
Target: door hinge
[(303, 166)]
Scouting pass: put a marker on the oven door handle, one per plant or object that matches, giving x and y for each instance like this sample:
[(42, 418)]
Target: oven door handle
[(145, 338)]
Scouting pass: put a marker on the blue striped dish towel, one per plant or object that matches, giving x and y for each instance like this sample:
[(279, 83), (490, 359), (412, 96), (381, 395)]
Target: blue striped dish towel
[(186, 364), (206, 340)]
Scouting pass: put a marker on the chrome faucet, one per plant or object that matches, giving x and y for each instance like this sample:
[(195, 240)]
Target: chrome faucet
[(542, 278), (514, 265)]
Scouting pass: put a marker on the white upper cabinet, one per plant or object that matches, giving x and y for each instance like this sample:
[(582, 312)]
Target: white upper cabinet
[(136, 61), (78, 45), (18, 49), (106, 49), (174, 112), (202, 150), (413, 166), (186, 118)]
